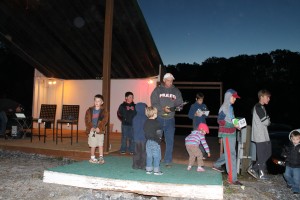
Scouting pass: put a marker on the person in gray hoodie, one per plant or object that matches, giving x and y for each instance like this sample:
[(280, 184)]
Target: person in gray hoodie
[(260, 136), (166, 97)]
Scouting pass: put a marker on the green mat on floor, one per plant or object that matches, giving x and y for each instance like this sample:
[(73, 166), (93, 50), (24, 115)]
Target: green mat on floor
[(119, 167)]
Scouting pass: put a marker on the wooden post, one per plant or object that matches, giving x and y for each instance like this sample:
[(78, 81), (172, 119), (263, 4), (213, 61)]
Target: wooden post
[(109, 7)]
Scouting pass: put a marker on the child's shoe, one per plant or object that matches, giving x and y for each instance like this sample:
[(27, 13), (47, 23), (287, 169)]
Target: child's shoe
[(148, 172), (158, 173), (101, 160), (93, 160), (189, 168), (200, 169)]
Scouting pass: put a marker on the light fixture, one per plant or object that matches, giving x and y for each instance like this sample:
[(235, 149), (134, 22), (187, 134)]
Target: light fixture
[(150, 81), (51, 81)]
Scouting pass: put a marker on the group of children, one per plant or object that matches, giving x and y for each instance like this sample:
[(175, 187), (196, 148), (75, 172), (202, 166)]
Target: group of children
[(145, 136)]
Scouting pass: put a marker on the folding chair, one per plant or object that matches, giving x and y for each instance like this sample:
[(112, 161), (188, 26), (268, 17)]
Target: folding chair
[(69, 116), (47, 117)]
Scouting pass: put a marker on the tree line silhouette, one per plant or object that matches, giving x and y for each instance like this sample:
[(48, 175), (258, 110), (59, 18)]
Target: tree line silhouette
[(277, 71)]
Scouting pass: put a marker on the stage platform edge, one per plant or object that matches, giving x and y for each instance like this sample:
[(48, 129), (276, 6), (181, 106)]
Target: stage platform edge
[(117, 175)]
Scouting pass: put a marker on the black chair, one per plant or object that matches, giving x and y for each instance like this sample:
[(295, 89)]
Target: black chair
[(47, 117), (69, 116)]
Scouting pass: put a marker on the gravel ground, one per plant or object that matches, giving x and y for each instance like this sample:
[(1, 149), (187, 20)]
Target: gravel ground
[(22, 178)]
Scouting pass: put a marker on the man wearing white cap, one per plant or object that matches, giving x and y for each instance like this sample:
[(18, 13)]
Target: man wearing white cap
[(165, 98)]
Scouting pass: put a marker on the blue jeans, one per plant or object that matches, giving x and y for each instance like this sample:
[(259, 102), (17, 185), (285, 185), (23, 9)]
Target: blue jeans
[(168, 127), (3, 121), (127, 134), (292, 177), (153, 156)]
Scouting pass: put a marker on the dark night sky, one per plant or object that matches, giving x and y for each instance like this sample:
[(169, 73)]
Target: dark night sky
[(16, 79)]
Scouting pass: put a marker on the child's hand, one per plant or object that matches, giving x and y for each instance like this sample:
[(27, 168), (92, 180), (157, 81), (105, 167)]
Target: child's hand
[(198, 113), (237, 127), (208, 155)]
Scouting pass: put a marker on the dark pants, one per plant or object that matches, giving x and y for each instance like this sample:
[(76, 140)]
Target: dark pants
[(127, 135), (263, 153), (3, 122), (139, 157)]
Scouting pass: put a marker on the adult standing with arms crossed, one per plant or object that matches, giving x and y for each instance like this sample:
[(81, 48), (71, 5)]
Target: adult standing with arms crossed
[(166, 97)]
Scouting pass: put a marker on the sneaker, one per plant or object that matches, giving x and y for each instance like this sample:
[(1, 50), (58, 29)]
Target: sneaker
[(200, 169), (236, 183), (158, 173), (94, 161), (148, 172), (189, 168), (262, 175), (252, 172), (131, 153), (168, 165), (123, 152), (219, 169), (101, 160)]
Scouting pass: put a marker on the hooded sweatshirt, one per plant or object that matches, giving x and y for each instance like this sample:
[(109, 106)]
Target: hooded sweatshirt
[(225, 116), (162, 97), (138, 122), (292, 153)]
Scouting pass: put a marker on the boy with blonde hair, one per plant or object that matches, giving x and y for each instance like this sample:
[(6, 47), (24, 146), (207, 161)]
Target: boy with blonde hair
[(292, 155), (153, 134)]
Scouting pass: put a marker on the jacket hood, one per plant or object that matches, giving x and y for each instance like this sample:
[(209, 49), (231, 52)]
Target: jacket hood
[(140, 108), (291, 133)]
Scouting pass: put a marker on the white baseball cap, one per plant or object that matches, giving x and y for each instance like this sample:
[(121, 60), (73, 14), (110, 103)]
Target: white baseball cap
[(169, 75)]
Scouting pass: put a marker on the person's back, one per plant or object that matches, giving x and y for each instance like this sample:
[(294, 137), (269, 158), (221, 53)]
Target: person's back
[(153, 136), (139, 157)]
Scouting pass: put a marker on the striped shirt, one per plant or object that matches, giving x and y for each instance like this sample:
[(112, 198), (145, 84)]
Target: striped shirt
[(195, 138)]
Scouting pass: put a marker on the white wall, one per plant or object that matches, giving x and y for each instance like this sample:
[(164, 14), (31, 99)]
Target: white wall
[(82, 92)]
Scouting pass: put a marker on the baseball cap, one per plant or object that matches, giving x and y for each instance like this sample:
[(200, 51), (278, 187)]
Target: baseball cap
[(204, 127), (233, 93), (169, 75)]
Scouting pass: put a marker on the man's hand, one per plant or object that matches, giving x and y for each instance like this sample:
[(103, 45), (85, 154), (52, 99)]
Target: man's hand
[(167, 109)]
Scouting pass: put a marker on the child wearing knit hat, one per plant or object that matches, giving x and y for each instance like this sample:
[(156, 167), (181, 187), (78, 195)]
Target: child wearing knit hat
[(192, 142)]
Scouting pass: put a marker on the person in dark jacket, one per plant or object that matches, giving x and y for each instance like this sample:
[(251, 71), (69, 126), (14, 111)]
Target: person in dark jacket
[(198, 113), (7, 106), (126, 112), (153, 134), (292, 155), (139, 156)]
